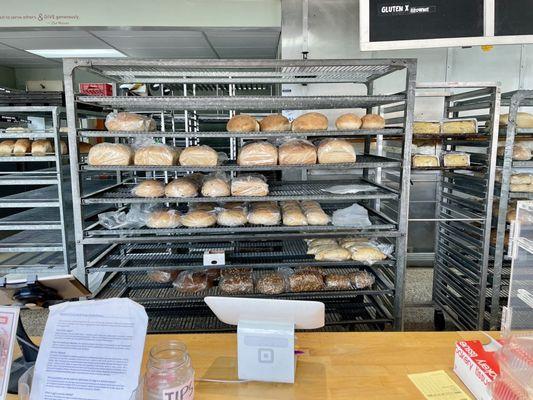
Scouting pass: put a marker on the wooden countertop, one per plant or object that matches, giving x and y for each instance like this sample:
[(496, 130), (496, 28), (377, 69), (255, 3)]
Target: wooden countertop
[(334, 365)]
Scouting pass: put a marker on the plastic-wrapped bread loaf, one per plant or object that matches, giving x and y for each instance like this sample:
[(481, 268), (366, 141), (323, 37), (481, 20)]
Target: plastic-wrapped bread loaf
[(297, 152), (337, 282), (521, 187), (110, 154), (275, 123), (258, 153), (348, 122), (420, 160), (292, 214), (264, 213), (520, 153), (306, 281), (150, 188), (6, 147), (236, 281), (162, 276), (232, 216), (523, 120), (314, 214), (367, 253), (182, 187), (373, 121), (422, 127), (21, 147), (312, 121), (333, 253), (242, 123), (456, 160), (335, 151), (521, 179), (199, 219), (459, 126), (156, 154), (272, 283), (191, 281), (163, 219), (124, 121), (361, 279), (41, 147), (198, 156), (249, 185), (216, 186)]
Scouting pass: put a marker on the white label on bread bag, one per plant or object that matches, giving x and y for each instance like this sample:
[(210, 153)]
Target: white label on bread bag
[(183, 392)]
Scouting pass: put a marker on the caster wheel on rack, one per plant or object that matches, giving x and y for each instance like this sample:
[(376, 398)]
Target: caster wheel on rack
[(438, 320)]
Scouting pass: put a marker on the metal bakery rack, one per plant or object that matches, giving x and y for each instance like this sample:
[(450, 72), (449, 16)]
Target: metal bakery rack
[(464, 203), (218, 88)]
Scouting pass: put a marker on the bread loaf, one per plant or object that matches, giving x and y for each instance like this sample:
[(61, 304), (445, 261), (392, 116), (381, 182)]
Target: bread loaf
[(456, 160), (84, 147), (156, 154), (275, 123), (314, 213), (242, 123), (271, 283), (182, 187), (110, 154), (215, 186), (163, 219), (333, 253), (297, 152), (521, 187), (521, 179), (258, 153), (199, 219), (232, 216), (459, 127), (249, 185), (6, 147), (361, 279), (312, 121), (367, 254), (150, 188), (373, 121), (292, 214), (236, 284), (306, 281), (264, 213), (41, 147), (337, 282), (425, 161), (320, 241), (348, 122), (162, 276), (191, 281), (523, 120), (21, 147), (124, 121), (335, 151), (520, 153), (198, 156), (421, 127)]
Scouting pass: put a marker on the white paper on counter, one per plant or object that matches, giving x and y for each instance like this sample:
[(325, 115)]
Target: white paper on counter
[(91, 350)]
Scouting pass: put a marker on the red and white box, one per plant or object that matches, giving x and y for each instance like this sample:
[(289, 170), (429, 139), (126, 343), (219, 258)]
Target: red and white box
[(476, 366), (96, 89)]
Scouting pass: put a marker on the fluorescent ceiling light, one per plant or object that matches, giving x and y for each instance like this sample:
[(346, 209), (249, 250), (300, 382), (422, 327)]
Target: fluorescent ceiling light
[(65, 53)]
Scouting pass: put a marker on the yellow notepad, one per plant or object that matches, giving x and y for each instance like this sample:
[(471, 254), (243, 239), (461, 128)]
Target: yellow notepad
[(438, 385)]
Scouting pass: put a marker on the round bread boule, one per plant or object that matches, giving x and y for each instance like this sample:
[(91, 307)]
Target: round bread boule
[(242, 123), (297, 152), (163, 219), (312, 121), (215, 187), (335, 151), (348, 122), (258, 153), (157, 154), (373, 121), (199, 219), (110, 154), (368, 254), (198, 156), (275, 123), (149, 188), (181, 187), (232, 217)]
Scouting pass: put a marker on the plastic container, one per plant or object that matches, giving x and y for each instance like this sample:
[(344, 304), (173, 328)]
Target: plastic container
[(25, 384)]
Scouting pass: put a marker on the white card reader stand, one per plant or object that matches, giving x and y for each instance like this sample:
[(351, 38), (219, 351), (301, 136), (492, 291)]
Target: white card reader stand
[(265, 333)]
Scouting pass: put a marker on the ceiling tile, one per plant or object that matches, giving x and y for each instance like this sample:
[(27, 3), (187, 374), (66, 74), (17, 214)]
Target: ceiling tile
[(246, 52), (198, 52), (43, 41), (244, 38), (150, 39)]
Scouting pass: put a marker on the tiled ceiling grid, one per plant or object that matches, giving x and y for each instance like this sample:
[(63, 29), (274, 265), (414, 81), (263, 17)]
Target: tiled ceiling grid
[(140, 43)]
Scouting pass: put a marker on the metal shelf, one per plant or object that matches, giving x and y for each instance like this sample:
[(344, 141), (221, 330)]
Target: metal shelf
[(27, 135), (279, 191)]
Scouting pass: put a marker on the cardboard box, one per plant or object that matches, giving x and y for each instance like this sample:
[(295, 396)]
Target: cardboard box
[(96, 89), (476, 366)]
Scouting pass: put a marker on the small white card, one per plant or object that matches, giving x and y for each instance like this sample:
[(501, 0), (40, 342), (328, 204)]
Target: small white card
[(9, 317), (91, 350)]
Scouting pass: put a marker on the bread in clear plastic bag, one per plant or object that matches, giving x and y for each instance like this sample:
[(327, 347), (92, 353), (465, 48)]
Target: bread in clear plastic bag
[(320, 241), (229, 272), (235, 281), (349, 189), (191, 282), (198, 156), (520, 153), (335, 151), (258, 153), (521, 179), (6, 147), (367, 254), (306, 281), (361, 279), (311, 121), (264, 213), (182, 187), (275, 123), (216, 185), (232, 216), (456, 159), (335, 281), (162, 276), (129, 122), (272, 283), (150, 188), (297, 152), (110, 154), (421, 161), (161, 219), (314, 213), (333, 253), (292, 214), (211, 207), (242, 123), (523, 188), (459, 126), (348, 122), (199, 219), (355, 216), (41, 147), (249, 185), (135, 217), (156, 154)]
